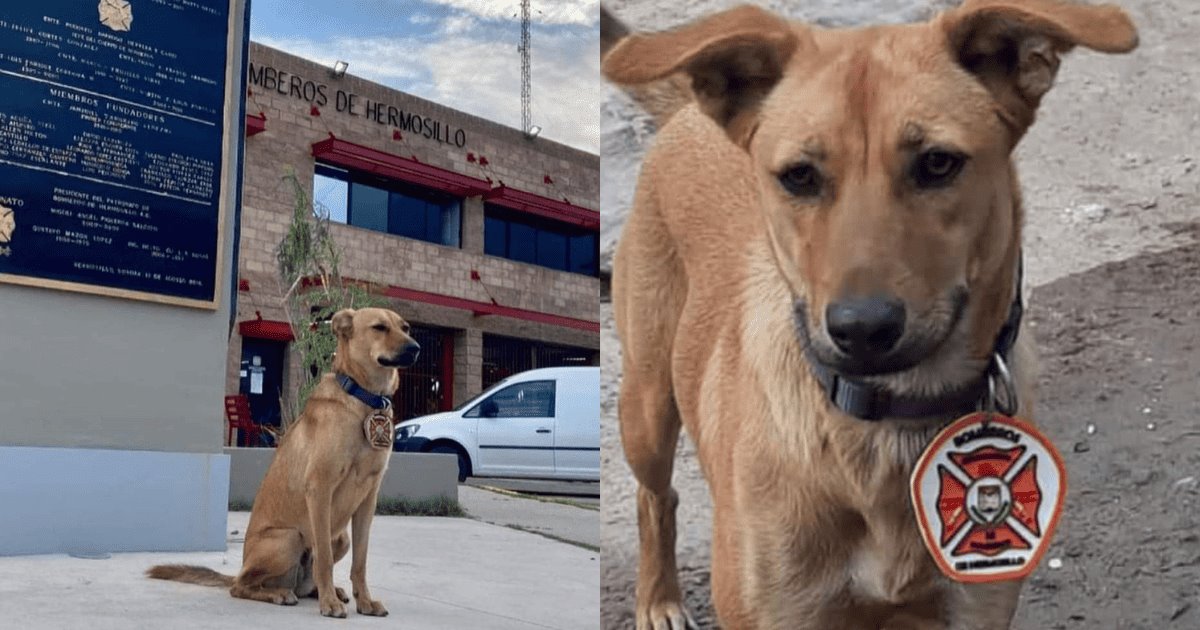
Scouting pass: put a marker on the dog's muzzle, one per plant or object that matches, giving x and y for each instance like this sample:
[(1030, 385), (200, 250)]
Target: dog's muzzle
[(407, 356), (876, 335), (865, 329)]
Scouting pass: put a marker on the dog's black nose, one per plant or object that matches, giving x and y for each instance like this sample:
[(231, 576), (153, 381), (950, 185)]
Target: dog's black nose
[(865, 328), (409, 353)]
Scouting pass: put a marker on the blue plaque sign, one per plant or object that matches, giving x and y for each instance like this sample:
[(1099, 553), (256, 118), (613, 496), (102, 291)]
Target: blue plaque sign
[(114, 153)]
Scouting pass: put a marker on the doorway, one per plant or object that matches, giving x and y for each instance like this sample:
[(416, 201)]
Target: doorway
[(261, 382), (427, 387)]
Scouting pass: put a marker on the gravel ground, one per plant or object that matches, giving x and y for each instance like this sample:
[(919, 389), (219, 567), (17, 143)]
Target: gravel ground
[(1113, 267)]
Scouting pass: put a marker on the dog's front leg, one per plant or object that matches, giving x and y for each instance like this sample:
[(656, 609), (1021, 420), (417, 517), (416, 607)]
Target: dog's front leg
[(360, 536), (318, 497)]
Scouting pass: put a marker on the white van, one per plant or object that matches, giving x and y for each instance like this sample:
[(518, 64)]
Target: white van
[(542, 423)]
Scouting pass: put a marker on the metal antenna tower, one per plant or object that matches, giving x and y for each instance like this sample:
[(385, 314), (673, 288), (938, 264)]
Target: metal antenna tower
[(526, 118)]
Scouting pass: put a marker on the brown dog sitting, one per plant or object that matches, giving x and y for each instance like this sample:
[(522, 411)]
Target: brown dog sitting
[(819, 272), (325, 476)]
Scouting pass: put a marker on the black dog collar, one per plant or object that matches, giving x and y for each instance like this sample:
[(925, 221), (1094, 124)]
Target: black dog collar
[(873, 402), (373, 401)]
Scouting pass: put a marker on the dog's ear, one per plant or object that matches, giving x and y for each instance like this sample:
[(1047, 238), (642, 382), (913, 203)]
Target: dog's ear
[(1013, 46), (734, 58), (343, 323)]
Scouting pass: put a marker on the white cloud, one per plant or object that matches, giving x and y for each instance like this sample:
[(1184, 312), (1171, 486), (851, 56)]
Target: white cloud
[(461, 23), (578, 12), (484, 78), (478, 71), (381, 60)]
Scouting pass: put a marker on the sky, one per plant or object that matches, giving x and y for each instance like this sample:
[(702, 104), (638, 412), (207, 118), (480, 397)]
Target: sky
[(459, 53)]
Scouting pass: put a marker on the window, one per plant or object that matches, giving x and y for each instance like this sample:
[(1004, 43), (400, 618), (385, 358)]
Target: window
[(522, 242), (408, 217), (551, 249), (495, 236), (369, 207), (506, 356), (583, 254), (515, 236), (330, 196), (399, 208), (534, 399)]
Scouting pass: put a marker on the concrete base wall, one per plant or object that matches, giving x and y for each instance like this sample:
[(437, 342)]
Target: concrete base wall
[(409, 475), (65, 500)]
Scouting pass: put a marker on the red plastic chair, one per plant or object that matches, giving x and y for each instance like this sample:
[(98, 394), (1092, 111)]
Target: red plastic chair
[(237, 414)]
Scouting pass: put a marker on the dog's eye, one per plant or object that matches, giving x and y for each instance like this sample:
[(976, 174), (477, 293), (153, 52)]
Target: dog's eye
[(937, 168), (801, 180), (406, 328), (380, 327)]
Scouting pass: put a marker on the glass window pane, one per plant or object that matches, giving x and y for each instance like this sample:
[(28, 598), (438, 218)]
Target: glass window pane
[(523, 400), (451, 223), (329, 197), (495, 237), (407, 216), (433, 223), (368, 207), (552, 249), (583, 254), (522, 242)]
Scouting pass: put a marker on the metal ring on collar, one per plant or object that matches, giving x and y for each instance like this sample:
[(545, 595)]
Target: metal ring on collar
[(1010, 402)]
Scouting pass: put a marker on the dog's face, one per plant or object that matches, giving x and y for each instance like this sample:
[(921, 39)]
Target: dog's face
[(883, 160), (374, 338), (884, 174)]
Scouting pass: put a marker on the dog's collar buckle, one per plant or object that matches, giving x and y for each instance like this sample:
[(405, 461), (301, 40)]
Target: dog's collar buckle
[(867, 403)]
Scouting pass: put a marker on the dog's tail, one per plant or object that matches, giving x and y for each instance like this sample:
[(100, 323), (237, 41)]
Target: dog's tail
[(203, 576), (661, 99)]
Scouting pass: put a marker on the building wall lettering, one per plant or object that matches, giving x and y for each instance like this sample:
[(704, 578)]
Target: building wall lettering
[(320, 95)]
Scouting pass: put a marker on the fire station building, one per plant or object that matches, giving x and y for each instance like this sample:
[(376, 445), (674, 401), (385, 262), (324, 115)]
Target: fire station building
[(485, 238)]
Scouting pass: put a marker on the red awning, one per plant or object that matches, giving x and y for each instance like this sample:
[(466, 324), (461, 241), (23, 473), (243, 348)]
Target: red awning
[(360, 158), (266, 329), (478, 308), (255, 124), (544, 207)]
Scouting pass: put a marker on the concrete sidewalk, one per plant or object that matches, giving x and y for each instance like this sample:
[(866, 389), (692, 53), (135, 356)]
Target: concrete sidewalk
[(566, 522), (431, 573)]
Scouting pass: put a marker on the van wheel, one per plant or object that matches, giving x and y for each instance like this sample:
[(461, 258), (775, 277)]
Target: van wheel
[(464, 464)]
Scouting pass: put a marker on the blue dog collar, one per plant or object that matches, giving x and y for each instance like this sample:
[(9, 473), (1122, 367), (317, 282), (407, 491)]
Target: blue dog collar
[(373, 401)]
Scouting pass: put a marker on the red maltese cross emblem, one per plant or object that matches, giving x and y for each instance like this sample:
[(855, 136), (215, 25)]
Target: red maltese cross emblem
[(987, 494)]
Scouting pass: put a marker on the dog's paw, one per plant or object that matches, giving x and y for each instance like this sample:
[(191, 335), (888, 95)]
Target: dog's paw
[(342, 594), (332, 608), (285, 599), (372, 607), (665, 616)]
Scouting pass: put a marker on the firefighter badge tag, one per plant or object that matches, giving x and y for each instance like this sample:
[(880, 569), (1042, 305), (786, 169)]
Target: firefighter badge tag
[(378, 429), (987, 493)]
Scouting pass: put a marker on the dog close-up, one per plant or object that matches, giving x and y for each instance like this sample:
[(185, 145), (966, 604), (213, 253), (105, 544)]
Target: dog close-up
[(318, 498), (822, 270)]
